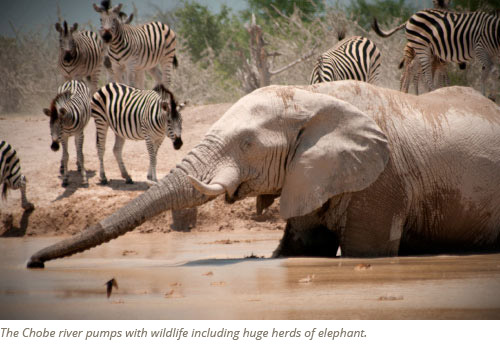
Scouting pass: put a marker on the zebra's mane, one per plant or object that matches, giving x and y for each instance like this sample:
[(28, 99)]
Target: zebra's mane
[(65, 25), (106, 4), (341, 34), (59, 99), (62, 97), (164, 93)]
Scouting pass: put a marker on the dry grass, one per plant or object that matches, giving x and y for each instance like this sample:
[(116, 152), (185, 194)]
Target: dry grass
[(28, 63)]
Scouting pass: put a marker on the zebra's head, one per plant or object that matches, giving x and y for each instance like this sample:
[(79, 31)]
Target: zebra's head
[(67, 46), (111, 19), (57, 114), (170, 110)]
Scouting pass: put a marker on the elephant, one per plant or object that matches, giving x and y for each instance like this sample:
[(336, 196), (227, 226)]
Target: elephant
[(373, 171)]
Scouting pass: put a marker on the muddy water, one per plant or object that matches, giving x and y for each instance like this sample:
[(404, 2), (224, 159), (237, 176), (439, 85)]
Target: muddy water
[(206, 276)]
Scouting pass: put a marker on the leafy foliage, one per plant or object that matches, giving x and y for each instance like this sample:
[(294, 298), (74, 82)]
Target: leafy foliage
[(384, 10), (203, 29)]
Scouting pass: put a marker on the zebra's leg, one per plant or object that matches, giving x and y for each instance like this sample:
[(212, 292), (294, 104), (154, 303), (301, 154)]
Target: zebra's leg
[(93, 80), (117, 151), (487, 63), (101, 133), (425, 57), (24, 200), (404, 83), (79, 156), (156, 74), (139, 79), (119, 74), (416, 80), (152, 148), (486, 70), (64, 160), (166, 67)]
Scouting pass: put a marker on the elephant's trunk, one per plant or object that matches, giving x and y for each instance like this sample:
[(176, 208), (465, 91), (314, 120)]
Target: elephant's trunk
[(173, 192)]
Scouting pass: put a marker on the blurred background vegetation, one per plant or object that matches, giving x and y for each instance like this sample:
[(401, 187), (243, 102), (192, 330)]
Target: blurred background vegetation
[(213, 47)]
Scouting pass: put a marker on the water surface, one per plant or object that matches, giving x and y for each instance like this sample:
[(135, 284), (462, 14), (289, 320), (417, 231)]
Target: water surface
[(206, 276)]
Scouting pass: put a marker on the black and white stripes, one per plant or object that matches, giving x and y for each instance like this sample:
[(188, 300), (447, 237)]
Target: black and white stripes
[(453, 37), (135, 114), (69, 113), (10, 173), (80, 54), (135, 49), (354, 58)]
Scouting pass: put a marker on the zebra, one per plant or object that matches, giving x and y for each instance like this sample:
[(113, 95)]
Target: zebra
[(69, 113), (412, 70), (135, 114), (453, 37), (10, 174), (354, 58), (136, 49), (81, 54)]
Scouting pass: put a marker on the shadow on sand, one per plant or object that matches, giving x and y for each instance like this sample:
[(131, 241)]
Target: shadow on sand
[(75, 181), (20, 231), (120, 185)]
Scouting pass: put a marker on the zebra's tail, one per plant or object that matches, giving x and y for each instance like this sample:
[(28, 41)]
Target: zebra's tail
[(176, 63), (402, 63), (381, 33)]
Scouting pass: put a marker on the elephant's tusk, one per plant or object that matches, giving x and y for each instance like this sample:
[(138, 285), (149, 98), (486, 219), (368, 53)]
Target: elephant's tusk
[(206, 189)]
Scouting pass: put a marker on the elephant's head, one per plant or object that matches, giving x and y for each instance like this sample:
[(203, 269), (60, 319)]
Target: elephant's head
[(279, 140)]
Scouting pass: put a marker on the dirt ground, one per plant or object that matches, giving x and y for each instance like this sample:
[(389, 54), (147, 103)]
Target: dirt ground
[(60, 211)]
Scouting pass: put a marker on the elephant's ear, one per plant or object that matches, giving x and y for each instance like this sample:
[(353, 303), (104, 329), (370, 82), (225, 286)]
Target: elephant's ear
[(338, 149)]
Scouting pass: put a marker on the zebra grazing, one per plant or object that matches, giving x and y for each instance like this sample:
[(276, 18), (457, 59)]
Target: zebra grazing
[(81, 54), (354, 58), (136, 49), (412, 70), (10, 174), (135, 115), (452, 37), (69, 113)]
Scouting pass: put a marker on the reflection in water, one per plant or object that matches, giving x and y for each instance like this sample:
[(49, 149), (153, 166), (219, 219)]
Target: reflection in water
[(201, 276)]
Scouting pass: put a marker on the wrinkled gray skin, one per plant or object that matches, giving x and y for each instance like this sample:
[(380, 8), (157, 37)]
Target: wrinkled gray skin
[(373, 170)]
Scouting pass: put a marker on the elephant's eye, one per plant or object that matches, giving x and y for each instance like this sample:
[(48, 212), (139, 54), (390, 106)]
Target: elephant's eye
[(245, 144)]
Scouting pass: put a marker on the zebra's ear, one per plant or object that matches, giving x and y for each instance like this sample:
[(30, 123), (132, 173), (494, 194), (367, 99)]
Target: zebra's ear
[(182, 105), (117, 8), (46, 112), (98, 9), (58, 27), (74, 28)]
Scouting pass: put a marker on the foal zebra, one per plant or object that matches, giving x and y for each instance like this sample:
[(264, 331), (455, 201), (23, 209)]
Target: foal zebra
[(10, 174), (136, 49), (452, 37), (135, 115), (69, 113), (354, 58), (80, 54)]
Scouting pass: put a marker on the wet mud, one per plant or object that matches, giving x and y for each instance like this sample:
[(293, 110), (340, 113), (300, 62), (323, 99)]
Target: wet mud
[(229, 275)]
